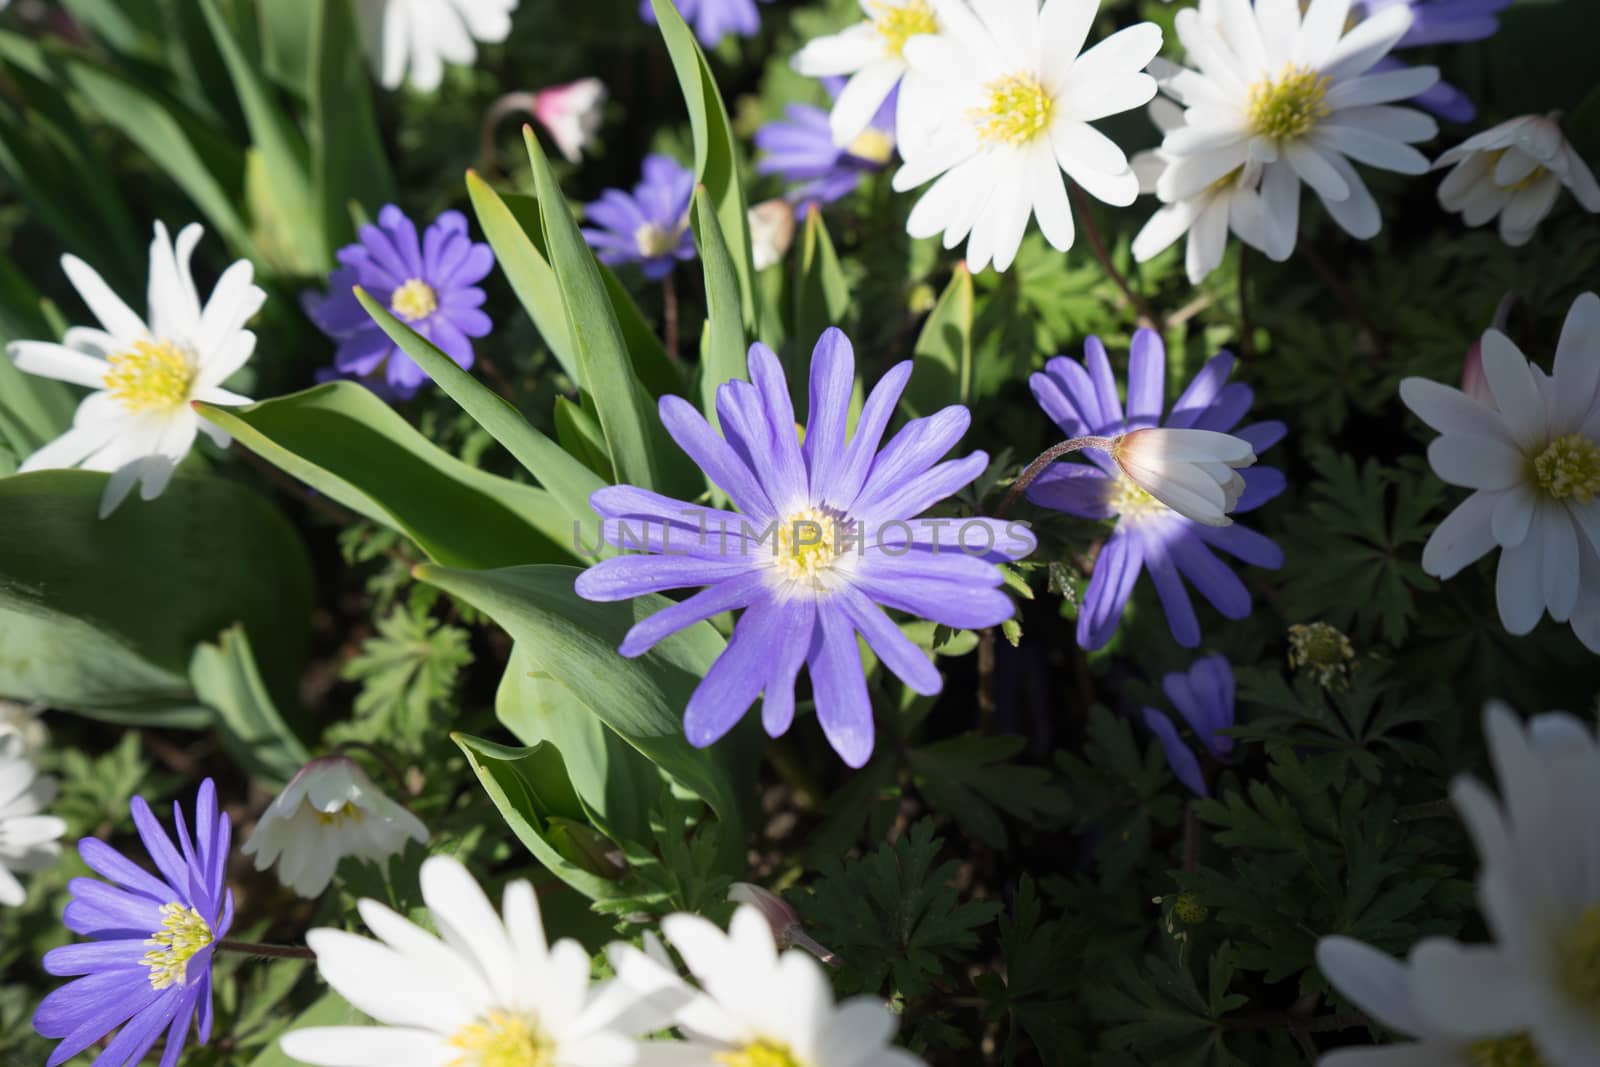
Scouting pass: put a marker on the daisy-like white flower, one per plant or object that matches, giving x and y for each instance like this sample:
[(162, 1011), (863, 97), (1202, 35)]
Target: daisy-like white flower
[(28, 840), (572, 114), (1297, 96), (872, 54), (147, 964), (755, 1006), (999, 103), (329, 810), (418, 37), (139, 424), (1533, 461), (490, 990), (1515, 172)]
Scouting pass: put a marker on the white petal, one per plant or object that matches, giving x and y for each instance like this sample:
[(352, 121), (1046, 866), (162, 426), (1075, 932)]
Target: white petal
[(1476, 462), (1468, 991), (368, 1046), (1515, 392), (118, 319), (1518, 592), (59, 362)]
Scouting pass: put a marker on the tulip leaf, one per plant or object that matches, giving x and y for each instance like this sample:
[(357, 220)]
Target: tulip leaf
[(723, 348), (943, 352), (226, 678)]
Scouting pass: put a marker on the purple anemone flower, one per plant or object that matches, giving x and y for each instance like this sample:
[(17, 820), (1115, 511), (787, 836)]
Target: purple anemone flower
[(825, 538), (650, 227), (147, 965), (800, 150), (1203, 695), (430, 283), (713, 19), (1441, 22), (1082, 400)]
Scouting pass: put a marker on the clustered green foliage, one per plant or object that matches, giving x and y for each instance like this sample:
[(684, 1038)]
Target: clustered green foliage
[(1016, 870)]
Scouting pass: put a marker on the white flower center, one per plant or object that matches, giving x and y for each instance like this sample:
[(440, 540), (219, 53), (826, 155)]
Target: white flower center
[(762, 1053), (1017, 110), (502, 1039), (415, 300), (809, 542), (1515, 1051), (183, 933), (898, 23), (150, 376), (1569, 467), (654, 240), (1290, 105)]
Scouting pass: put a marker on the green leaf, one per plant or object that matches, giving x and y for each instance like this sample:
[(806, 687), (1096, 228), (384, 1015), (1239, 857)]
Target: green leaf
[(821, 297), (407, 671), (347, 444), (973, 779), (942, 373), (580, 436), (288, 39), (330, 1009), (226, 678), (723, 348), (347, 156)]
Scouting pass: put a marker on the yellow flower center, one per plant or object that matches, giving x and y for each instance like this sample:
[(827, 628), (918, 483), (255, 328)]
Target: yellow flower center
[(761, 1053), (1569, 467), (183, 933), (1290, 105), (1018, 110), (1521, 183), (1579, 957), (339, 816), (502, 1039), (1189, 910), (1324, 651), (1516, 1051), (872, 145), (415, 300), (150, 376), (654, 240), (808, 542), (898, 23), (1130, 501)]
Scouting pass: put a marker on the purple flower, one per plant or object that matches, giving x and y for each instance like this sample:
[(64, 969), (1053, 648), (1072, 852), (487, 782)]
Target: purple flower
[(1082, 400), (1441, 22), (649, 227), (1204, 697), (801, 150), (713, 19), (825, 538), (431, 284), (148, 961)]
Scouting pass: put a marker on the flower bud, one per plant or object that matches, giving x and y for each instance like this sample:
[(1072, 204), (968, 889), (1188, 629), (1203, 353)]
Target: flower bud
[(781, 916), (1473, 381), (572, 114), (1193, 472), (771, 232)]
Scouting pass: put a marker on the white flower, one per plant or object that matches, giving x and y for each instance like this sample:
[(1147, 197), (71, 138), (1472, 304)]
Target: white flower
[(1296, 96), (1230, 203), (21, 732), (138, 424), (330, 810), (27, 839), (756, 1007), (999, 104), (487, 991), (1533, 459), (421, 36), (772, 225), (872, 53), (1515, 171), (572, 114), (1193, 472)]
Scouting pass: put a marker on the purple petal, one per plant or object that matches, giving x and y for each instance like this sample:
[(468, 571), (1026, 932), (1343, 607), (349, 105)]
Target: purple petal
[(107, 862), (158, 845), (787, 480), (1115, 572), (1201, 391), (91, 957), (1210, 577), (144, 1030), (845, 486), (1105, 384), (1261, 484), (1231, 404), (1262, 435), (100, 910), (908, 662), (737, 677), (1075, 488), (714, 456), (833, 376), (955, 604), (915, 495), (797, 626), (403, 234), (919, 445), (626, 577), (840, 686), (1185, 767), (1243, 544), (728, 595), (1147, 367), (1175, 602)]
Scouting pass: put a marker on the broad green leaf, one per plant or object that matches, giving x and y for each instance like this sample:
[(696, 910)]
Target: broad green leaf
[(820, 295), (943, 371), (723, 349), (574, 642), (579, 434), (33, 410), (330, 1009), (288, 39), (225, 677), (349, 445), (347, 157)]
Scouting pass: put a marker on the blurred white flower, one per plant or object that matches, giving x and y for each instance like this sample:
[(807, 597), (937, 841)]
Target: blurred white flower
[(872, 53), (138, 424), (21, 731), (330, 810), (28, 840), (418, 37), (1193, 472), (1515, 172), (572, 114), (772, 225)]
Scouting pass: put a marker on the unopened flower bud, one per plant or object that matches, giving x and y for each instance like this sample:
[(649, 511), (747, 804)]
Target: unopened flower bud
[(571, 113), (1473, 381), (787, 930), (1193, 472)]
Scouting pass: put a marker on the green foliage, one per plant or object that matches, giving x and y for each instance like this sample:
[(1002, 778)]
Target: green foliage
[(408, 675)]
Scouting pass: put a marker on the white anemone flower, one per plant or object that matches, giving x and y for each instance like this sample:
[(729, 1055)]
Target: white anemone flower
[(572, 114), (138, 424), (1533, 461), (418, 37), (28, 840), (872, 54), (999, 103), (487, 991), (1193, 472), (755, 1007), (328, 811), (1297, 96), (1515, 172)]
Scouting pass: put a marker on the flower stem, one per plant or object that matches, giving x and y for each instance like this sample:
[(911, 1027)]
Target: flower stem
[(271, 952), (509, 104), (669, 315), (1045, 458), (1097, 245)]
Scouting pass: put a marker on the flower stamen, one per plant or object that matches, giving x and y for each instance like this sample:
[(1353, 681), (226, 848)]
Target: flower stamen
[(762, 1053), (502, 1039), (1290, 105), (340, 816), (183, 933), (654, 240), (150, 376), (1018, 110), (1569, 467), (415, 300), (898, 24), (1128, 500), (1579, 956), (1515, 1051)]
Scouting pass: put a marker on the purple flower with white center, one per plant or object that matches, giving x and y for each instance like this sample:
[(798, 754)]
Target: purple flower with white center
[(429, 282), (1441, 22), (826, 537), (147, 965), (1082, 400), (800, 150), (1203, 695), (713, 19), (650, 226)]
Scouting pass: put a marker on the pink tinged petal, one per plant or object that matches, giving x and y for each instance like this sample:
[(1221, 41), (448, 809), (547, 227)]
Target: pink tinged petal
[(1516, 392), (1469, 991), (1464, 537), (729, 595), (1476, 462), (840, 686), (1518, 591), (908, 662), (796, 627)]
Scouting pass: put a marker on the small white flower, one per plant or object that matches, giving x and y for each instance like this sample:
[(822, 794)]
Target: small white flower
[(21, 732), (28, 840), (1515, 171), (572, 114), (872, 53), (485, 992), (999, 104), (1533, 459), (421, 36), (330, 810), (1193, 472), (138, 424), (772, 225), (1295, 96), (755, 1007)]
